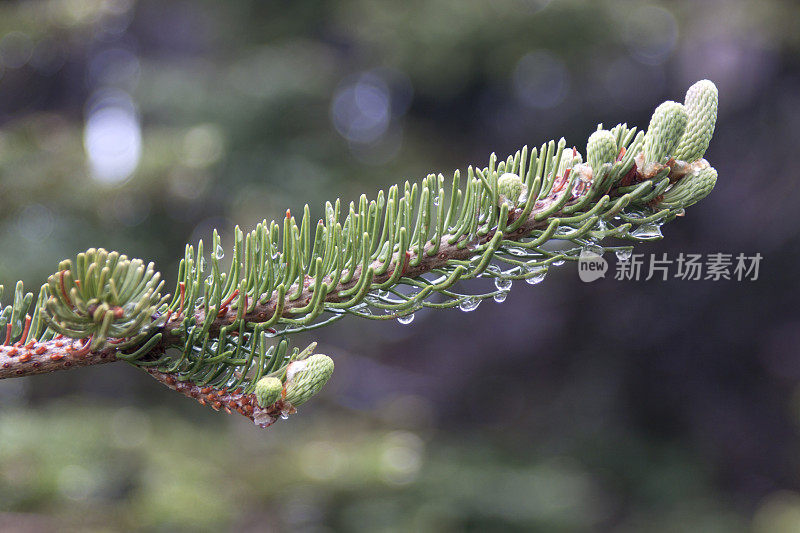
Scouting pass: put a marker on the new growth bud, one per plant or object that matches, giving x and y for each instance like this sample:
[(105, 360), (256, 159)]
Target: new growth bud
[(268, 391), (666, 128), (691, 188), (104, 295), (569, 158), (510, 189), (306, 377), (601, 149), (701, 105)]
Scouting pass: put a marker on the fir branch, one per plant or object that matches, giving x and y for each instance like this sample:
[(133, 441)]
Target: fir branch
[(223, 337)]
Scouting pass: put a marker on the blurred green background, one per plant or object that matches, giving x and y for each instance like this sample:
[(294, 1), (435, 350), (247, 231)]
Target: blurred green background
[(653, 406)]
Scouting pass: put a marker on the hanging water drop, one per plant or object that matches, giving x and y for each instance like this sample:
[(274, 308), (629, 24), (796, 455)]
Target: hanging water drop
[(558, 263), (624, 255), (406, 319), (592, 249), (500, 297), (647, 232), (537, 275), (469, 304), (436, 200), (503, 284), (220, 252)]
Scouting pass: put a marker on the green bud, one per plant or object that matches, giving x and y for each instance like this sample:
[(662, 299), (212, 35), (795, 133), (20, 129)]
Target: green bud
[(268, 390), (509, 187), (601, 149), (691, 188), (306, 377), (701, 104), (666, 128), (569, 158), (103, 295)]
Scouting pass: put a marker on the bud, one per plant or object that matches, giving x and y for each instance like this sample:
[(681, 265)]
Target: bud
[(691, 188), (601, 149), (569, 158), (306, 377), (701, 105), (509, 188), (268, 390), (103, 295), (666, 128)]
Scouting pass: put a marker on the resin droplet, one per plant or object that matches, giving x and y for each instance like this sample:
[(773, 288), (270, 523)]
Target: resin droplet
[(470, 304)]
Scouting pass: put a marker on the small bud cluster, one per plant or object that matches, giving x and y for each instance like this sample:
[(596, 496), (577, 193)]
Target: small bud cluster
[(103, 296), (304, 378)]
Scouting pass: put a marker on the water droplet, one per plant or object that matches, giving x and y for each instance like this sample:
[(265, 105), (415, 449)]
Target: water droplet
[(202, 263), (469, 304), (601, 225), (537, 275), (436, 200), (500, 297), (558, 263), (624, 255), (647, 232), (503, 284), (406, 319), (220, 252), (592, 249), (284, 416), (517, 251)]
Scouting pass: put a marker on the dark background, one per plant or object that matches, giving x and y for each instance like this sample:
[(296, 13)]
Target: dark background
[(614, 406)]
